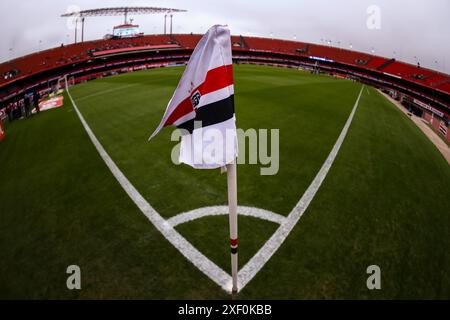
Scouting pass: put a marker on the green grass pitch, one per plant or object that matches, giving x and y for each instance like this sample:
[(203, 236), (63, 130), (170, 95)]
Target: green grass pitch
[(384, 201)]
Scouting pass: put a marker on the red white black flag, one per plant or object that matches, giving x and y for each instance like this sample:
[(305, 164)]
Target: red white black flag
[(203, 104)]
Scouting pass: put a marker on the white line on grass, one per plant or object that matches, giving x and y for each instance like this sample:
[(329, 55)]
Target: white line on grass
[(223, 210), (273, 244), (102, 92), (205, 265), (166, 227)]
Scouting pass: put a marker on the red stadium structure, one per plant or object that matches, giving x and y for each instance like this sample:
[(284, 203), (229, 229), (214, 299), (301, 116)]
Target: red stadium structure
[(426, 92)]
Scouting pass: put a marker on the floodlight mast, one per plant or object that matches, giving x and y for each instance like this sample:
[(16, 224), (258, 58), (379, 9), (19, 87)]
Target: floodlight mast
[(117, 11)]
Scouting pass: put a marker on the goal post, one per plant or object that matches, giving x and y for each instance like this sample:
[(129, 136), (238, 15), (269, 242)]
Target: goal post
[(65, 82)]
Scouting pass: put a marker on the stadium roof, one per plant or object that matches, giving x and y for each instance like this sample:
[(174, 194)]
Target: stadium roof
[(117, 11)]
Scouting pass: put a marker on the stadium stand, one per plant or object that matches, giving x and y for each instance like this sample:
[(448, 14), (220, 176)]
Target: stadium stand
[(385, 64), (126, 50), (88, 60)]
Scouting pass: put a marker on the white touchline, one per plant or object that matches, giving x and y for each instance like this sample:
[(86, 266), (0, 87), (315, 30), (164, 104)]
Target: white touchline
[(209, 268), (271, 246)]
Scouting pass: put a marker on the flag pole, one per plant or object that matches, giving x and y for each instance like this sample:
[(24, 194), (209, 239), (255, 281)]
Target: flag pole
[(232, 204)]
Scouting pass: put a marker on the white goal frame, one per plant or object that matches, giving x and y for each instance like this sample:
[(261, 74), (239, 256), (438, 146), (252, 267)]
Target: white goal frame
[(65, 82)]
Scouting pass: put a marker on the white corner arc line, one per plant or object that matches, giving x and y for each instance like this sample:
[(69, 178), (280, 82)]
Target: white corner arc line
[(255, 264), (205, 265), (223, 210)]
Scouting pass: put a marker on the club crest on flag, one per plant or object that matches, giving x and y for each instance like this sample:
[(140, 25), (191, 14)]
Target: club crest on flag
[(195, 99)]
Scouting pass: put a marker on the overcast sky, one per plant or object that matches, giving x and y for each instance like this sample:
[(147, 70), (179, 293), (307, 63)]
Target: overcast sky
[(409, 30)]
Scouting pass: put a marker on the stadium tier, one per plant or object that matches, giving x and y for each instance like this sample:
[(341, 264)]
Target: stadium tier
[(89, 60)]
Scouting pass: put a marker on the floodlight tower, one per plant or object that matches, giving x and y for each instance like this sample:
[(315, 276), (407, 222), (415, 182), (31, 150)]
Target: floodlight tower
[(118, 11)]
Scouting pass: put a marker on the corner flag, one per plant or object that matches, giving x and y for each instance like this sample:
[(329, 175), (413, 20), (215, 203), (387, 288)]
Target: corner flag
[(203, 105)]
